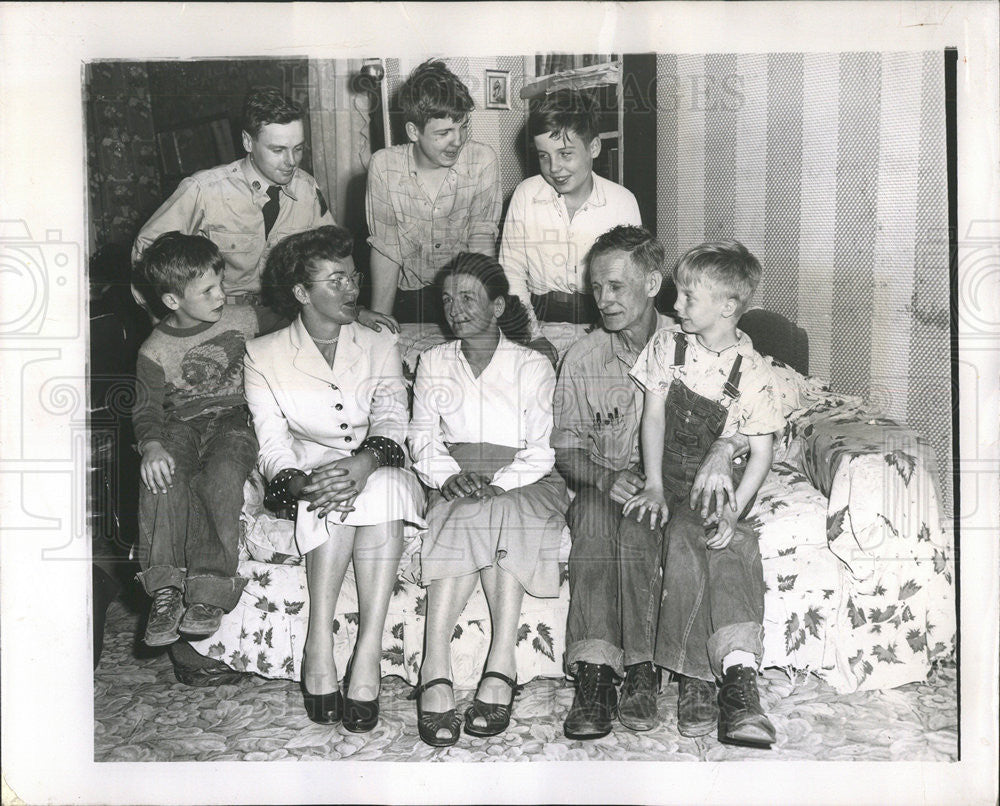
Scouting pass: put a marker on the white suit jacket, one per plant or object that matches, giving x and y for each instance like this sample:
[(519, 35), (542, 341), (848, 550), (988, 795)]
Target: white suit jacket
[(306, 413)]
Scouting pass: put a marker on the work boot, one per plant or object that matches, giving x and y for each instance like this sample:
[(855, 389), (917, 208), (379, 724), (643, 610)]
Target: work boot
[(594, 703), (201, 619), (637, 709), (741, 719), (697, 706), (164, 616)]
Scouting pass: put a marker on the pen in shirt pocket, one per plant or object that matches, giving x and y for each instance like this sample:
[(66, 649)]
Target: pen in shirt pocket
[(611, 418)]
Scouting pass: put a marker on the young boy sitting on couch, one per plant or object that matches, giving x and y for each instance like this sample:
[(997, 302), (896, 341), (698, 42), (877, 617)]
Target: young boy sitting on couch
[(191, 424), (701, 380)]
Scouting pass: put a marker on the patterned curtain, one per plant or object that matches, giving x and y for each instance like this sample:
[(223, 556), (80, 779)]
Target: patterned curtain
[(122, 160), (339, 114), (831, 168)]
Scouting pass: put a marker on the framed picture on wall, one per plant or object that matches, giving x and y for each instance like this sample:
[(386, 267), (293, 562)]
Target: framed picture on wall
[(497, 89)]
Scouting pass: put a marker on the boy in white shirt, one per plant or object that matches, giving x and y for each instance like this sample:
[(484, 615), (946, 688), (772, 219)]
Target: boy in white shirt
[(555, 217)]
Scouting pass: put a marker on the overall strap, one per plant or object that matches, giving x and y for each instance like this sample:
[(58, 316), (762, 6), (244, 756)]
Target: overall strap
[(680, 349), (732, 385)]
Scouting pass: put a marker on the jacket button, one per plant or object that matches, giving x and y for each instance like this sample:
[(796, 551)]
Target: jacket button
[(339, 406), (347, 439), (343, 426)]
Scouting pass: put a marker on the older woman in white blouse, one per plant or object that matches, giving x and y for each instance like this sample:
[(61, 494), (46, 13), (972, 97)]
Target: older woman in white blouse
[(479, 437), (329, 408)]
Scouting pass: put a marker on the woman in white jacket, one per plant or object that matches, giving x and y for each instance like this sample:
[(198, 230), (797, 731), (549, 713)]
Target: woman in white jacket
[(329, 408)]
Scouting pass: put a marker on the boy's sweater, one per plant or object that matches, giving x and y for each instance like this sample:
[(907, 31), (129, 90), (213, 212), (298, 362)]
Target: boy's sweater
[(182, 373)]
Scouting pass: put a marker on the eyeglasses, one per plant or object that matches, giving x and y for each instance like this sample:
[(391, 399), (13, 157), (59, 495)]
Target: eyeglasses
[(342, 282)]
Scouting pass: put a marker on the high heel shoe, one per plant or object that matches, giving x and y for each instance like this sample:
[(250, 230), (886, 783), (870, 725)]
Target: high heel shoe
[(326, 709), (360, 716), (430, 722), (495, 715)]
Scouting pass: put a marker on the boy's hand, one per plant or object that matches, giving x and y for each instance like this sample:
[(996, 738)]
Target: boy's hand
[(374, 320), (724, 531), (157, 468), (648, 500)]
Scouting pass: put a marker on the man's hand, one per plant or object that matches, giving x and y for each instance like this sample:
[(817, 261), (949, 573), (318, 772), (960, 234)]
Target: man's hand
[(157, 468), (463, 484), (544, 346), (724, 531), (651, 500), (714, 479), (373, 320), (625, 484)]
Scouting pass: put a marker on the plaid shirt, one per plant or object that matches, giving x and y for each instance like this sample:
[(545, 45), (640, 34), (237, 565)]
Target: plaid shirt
[(421, 234)]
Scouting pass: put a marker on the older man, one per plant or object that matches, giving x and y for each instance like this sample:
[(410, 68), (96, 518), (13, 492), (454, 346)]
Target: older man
[(596, 438), (247, 206)]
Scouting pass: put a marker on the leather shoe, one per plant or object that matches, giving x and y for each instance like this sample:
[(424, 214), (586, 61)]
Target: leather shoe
[(594, 703), (697, 706), (201, 619), (741, 719), (325, 709), (360, 716), (637, 709), (495, 717), (431, 723), (193, 669), (164, 617)]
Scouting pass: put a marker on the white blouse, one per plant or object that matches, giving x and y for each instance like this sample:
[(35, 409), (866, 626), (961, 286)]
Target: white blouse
[(510, 404)]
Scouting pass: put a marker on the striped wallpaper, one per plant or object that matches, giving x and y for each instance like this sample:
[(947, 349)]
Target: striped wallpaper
[(831, 168)]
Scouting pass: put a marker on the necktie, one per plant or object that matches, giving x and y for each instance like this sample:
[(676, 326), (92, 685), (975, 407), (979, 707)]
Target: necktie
[(270, 208)]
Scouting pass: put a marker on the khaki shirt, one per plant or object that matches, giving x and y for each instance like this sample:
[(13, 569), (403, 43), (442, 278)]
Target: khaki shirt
[(225, 205), (597, 404)]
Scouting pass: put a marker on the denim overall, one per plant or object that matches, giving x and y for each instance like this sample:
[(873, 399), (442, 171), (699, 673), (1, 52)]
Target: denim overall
[(693, 605)]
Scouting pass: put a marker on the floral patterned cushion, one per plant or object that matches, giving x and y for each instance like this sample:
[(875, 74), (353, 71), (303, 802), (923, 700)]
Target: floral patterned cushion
[(857, 568)]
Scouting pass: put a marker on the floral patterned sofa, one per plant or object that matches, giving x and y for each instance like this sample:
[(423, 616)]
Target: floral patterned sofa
[(857, 566)]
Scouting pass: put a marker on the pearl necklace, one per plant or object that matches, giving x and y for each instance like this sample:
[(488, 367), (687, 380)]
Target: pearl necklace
[(325, 341)]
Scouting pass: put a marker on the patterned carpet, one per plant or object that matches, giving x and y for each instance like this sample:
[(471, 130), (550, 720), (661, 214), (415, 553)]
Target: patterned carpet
[(143, 714)]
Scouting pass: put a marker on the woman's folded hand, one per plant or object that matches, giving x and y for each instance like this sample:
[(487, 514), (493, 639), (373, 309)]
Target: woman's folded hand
[(462, 485), (335, 486)]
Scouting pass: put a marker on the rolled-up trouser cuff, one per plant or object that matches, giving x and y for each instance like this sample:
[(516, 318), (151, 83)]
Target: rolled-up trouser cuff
[(594, 650), (747, 636), (157, 577), (221, 592)]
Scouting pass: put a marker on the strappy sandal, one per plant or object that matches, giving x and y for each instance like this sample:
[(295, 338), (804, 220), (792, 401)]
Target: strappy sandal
[(430, 722), (495, 715)]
